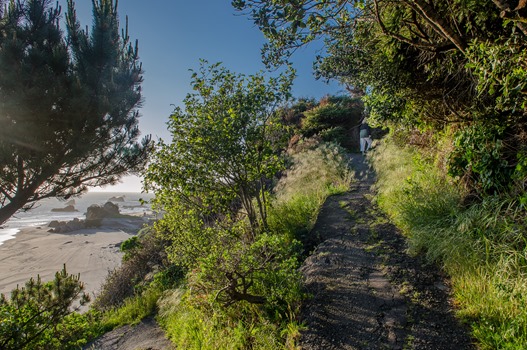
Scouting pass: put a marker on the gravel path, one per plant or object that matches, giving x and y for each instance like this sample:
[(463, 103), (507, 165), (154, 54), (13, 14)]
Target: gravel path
[(367, 293), (147, 335)]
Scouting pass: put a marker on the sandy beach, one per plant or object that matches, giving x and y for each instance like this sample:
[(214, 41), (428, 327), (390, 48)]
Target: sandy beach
[(90, 252)]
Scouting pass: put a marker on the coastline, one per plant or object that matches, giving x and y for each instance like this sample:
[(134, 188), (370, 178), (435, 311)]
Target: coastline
[(92, 253), (12, 232)]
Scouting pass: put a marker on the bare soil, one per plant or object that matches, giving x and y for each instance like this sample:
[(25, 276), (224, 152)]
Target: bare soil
[(147, 335), (367, 292)]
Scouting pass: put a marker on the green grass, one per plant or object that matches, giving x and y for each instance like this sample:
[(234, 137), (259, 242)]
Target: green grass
[(482, 247), (301, 192), (191, 326), (133, 310)]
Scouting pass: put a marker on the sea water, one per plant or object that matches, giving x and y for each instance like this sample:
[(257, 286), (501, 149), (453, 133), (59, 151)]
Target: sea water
[(41, 213)]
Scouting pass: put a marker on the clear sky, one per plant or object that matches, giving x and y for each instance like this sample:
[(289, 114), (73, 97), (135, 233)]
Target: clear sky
[(173, 35)]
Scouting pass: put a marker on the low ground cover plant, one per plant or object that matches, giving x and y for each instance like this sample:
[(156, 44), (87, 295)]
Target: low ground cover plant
[(40, 315)]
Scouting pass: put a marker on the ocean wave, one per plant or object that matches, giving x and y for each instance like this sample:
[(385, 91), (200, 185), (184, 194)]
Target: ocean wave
[(7, 233)]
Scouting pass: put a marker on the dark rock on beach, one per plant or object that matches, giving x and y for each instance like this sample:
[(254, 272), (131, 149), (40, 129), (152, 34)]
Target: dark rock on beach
[(94, 216), (68, 208), (69, 226), (96, 212)]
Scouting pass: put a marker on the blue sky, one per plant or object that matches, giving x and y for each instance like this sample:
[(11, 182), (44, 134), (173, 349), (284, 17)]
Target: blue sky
[(173, 35)]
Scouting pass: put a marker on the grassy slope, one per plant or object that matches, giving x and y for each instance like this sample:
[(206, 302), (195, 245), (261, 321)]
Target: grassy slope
[(482, 247)]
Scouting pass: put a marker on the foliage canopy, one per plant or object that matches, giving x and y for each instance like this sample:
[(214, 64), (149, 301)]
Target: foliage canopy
[(421, 64), (225, 145), (68, 104)]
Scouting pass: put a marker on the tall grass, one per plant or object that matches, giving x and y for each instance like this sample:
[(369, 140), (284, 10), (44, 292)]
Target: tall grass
[(190, 326), (315, 174), (133, 310), (482, 246)]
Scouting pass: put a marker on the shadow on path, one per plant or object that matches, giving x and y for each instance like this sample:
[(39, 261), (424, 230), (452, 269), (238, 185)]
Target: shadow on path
[(367, 293)]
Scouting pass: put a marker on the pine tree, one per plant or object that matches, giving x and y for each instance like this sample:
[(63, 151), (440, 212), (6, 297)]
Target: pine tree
[(68, 103)]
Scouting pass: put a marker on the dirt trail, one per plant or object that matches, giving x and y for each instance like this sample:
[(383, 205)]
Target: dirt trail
[(147, 335), (367, 292)]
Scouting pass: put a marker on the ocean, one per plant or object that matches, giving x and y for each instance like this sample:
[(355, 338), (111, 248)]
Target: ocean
[(42, 213)]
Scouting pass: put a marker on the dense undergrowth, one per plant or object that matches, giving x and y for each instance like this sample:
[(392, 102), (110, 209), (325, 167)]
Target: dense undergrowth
[(482, 245), (193, 315), (194, 319)]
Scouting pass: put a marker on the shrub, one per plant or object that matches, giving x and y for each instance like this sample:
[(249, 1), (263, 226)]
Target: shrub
[(39, 315), (324, 117), (144, 256), (244, 290), (261, 271), (335, 119), (293, 114), (129, 246), (479, 160), (336, 134)]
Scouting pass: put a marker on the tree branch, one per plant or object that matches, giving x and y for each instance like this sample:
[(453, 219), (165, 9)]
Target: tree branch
[(439, 25), (423, 46)]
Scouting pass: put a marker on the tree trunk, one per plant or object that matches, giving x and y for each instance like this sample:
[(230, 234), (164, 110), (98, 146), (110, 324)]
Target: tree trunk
[(18, 201), (253, 299)]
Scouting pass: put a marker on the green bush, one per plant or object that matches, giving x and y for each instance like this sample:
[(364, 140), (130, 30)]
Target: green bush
[(129, 245), (479, 160), (261, 271), (336, 134), (495, 64), (39, 315), (244, 290), (325, 117)]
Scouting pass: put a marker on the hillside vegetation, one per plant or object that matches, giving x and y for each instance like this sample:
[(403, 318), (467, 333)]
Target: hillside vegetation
[(243, 177), (481, 246), (239, 187)]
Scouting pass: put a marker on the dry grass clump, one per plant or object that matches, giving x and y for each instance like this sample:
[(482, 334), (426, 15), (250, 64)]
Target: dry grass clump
[(135, 272), (315, 174), (317, 169)]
